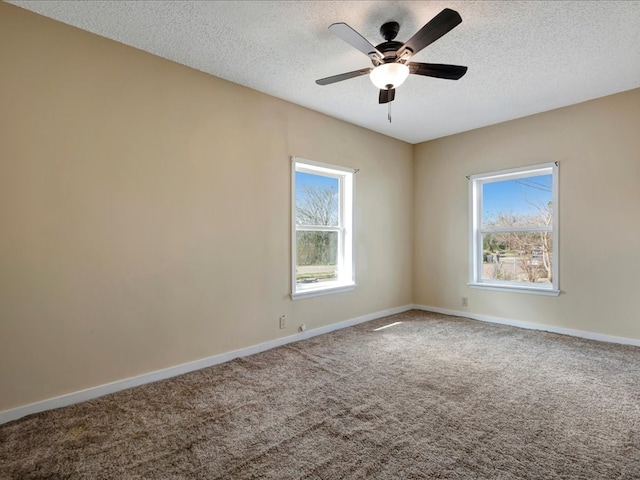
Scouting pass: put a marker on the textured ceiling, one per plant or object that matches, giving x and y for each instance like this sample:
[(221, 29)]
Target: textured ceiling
[(523, 57)]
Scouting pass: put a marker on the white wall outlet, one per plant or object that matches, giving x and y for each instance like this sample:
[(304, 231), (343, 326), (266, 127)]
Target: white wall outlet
[(283, 321), (465, 302)]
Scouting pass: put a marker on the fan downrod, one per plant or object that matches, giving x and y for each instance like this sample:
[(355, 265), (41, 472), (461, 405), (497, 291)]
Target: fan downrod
[(389, 30)]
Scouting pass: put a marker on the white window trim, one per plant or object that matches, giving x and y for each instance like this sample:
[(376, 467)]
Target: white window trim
[(346, 280), (475, 220)]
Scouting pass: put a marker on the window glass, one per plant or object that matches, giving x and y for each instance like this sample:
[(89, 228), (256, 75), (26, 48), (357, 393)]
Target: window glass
[(523, 257), (523, 202), (317, 256), (316, 199)]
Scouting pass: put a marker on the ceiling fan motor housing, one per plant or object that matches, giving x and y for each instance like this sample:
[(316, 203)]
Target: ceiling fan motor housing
[(388, 48)]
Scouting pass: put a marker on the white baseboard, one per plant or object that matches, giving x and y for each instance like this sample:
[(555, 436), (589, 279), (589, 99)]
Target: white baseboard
[(532, 326), (100, 390)]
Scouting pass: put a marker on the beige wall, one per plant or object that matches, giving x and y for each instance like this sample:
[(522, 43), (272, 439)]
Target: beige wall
[(145, 212), (598, 146)]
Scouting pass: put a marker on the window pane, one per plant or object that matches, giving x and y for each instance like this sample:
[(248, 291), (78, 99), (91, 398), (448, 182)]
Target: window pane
[(316, 199), (523, 202), (518, 257), (317, 256)]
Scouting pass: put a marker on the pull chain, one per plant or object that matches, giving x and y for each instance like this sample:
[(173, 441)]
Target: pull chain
[(389, 112)]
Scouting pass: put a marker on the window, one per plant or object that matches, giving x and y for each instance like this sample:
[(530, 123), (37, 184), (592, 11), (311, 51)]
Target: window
[(514, 230), (322, 236)]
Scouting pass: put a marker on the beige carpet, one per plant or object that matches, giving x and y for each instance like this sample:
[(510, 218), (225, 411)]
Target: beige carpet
[(432, 397)]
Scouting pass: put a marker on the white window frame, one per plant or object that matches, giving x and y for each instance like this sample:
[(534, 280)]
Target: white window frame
[(345, 262), (475, 223)]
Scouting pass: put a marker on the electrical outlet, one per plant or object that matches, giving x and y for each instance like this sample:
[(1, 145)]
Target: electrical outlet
[(465, 302), (283, 321)]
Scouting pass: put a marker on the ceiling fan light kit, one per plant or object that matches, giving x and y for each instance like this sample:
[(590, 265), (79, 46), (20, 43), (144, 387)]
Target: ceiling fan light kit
[(389, 75), (390, 59)]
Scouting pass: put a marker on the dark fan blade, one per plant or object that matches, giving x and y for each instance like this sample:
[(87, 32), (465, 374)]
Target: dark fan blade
[(343, 76), (442, 23), (353, 38), (450, 72), (387, 96)]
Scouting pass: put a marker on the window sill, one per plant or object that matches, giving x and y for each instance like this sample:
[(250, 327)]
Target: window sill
[(318, 291), (516, 289)]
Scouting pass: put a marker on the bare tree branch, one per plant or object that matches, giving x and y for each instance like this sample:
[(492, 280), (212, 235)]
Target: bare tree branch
[(317, 206)]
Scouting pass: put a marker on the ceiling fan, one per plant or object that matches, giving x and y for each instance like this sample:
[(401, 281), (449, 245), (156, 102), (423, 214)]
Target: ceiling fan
[(390, 59)]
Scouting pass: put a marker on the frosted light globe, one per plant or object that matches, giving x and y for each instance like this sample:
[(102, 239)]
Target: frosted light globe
[(393, 74)]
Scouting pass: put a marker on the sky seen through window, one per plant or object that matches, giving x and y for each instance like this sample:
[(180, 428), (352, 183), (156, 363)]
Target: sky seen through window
[(518, 196)]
